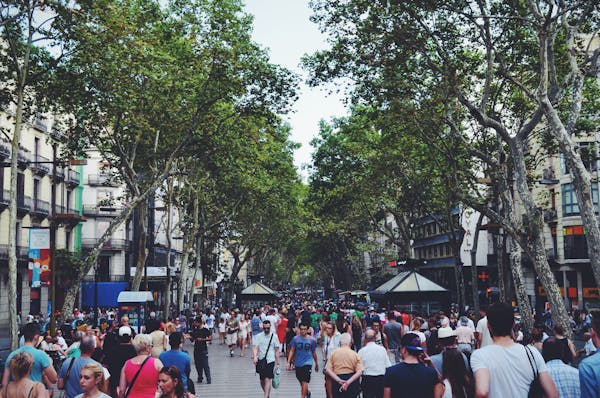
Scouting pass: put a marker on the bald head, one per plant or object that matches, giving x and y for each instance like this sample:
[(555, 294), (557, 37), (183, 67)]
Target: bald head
[(369, 336)]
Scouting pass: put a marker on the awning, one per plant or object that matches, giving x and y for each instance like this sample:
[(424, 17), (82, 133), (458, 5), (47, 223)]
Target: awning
[(258, 288), (409, 282), (135, 297)]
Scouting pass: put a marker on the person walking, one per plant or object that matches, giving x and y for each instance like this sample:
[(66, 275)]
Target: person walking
[(375, 361), (394, 332), (117, 355), (42, 364), (170, 384), (412, 378), (233, 327), (344, 367), (70, 372), (265, 356), (303, 354), (565, 377), (200, 336), (143, 365), (505, 368), (589, 368), (92, 382), (20, 367), (179, 359)]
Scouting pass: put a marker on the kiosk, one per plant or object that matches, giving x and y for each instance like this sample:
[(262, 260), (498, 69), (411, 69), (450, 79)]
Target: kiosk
[(134, 305)]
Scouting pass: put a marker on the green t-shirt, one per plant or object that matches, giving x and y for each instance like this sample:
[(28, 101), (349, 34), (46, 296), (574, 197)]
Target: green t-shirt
[(358, 314), (315, 319), (333, 316)]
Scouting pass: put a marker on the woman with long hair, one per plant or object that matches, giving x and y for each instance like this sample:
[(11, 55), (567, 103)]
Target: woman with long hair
[(455, 376), (20, 368), (356, 333), (170, 385), (91, 381)]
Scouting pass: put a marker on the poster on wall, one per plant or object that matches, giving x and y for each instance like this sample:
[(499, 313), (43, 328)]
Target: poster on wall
[(39, 257)]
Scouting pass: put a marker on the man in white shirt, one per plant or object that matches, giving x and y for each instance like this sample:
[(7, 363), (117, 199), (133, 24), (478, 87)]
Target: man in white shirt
[(266, 345), (375, 360), (505, 368), (482, 332)]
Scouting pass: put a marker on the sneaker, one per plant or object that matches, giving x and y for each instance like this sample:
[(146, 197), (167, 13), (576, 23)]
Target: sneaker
[(308, 394), (208, 382), (199, 380), (231, 352)]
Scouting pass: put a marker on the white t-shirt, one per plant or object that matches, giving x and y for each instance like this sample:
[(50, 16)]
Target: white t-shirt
[(262, 341), (486, 337), (509, 367)]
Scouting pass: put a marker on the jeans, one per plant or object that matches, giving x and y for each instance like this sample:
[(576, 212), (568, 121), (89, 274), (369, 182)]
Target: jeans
[(372, 386), (201, 362)]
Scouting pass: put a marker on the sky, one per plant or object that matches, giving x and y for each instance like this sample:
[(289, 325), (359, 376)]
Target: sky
[(284, 28)]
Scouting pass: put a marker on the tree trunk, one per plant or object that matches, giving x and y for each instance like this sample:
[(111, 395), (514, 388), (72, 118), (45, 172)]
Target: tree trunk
[(142, 225), (520, 288), (199, 244), (169, 206), (474, 279), (13, 332), (188, 244)]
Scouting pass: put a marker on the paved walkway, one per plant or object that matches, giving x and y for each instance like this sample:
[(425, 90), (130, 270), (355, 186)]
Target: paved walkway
[(235, 376)]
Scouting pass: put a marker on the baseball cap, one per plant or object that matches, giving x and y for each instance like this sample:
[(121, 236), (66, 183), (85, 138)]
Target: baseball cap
[(411, 342), (446, 332), (125, 330)]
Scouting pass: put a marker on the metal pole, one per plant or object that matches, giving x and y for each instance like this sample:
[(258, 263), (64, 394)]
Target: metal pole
[(96, 295), (53, 244)]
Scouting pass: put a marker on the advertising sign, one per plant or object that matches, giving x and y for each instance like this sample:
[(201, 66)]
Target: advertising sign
[(39, 257)]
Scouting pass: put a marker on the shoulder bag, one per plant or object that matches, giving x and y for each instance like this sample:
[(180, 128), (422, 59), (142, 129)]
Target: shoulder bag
[(535, 388), (130, 386), (261, 364)]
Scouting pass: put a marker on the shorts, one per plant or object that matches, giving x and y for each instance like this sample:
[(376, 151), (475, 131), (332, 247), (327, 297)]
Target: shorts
[(267, 372), (231, 338), (303, 373)]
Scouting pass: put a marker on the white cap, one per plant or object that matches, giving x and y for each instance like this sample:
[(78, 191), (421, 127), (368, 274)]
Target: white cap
[(445, 332), (125, 330)]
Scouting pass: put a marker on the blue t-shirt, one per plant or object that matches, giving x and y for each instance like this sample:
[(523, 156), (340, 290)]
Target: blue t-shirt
[(180, 360), (41, 361), (72, 387), (304, 350), (255, 324), (410, 380)]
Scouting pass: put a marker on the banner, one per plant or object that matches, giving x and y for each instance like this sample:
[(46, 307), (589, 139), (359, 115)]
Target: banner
[(39, 257)]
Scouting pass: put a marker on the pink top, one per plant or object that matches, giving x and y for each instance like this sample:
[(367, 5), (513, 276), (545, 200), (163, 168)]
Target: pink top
[(147, 381)]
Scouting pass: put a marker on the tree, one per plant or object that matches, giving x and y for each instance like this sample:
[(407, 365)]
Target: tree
[(25, 69), (478, 59), (150, 85)]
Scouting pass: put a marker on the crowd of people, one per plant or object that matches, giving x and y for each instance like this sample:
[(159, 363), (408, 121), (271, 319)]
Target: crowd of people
[(364, 352)]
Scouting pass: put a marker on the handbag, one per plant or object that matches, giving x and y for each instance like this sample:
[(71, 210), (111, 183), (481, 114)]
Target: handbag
[(276, 379), (535, 388), (261, 364), (130, 386)]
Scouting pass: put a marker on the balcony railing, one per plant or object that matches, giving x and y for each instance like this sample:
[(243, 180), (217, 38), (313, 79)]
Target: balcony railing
[(550, 215), (65, 210), (41, 207), (40, 125), (41, 165), (22, 252), (4, 151), (23, 159), (73, 177), (24, 204), (112, 244), (4, 197), (102, 180)]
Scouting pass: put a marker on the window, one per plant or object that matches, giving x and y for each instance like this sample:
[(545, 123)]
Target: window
[(569, 199), (575, 242), (435, 251), (587, 151)]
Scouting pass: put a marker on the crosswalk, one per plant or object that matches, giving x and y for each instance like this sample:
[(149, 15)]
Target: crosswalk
[(235, 376)]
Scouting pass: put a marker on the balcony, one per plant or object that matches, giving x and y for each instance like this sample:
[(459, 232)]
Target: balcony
[(4, 198), (41, 208), (41, 165), (60, 174), (22, 253), (112, 244), (24, 205), (40, 125), (101, 211), (73, 178), (103, 179), (4, 151), (23, 160)]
